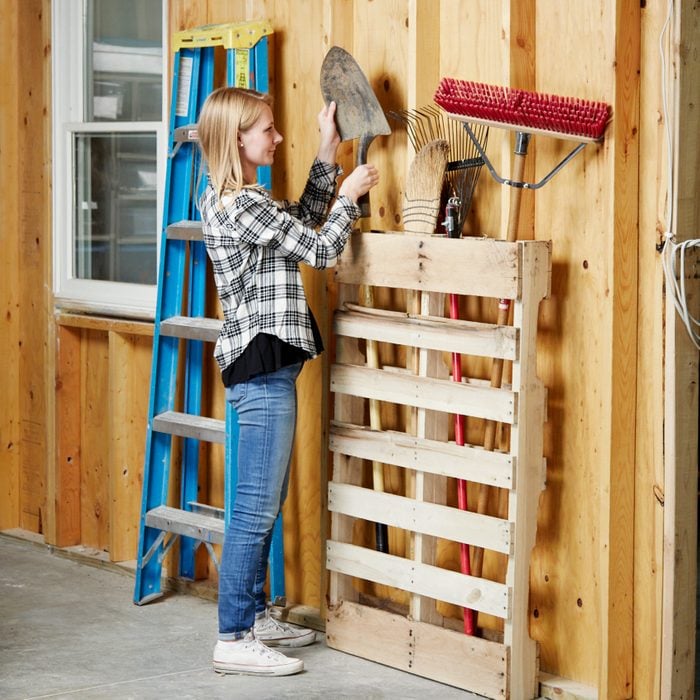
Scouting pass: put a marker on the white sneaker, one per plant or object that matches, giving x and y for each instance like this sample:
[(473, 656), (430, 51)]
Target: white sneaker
[(274, 633), (249, 656)]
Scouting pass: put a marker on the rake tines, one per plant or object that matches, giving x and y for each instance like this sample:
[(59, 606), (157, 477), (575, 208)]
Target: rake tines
[(430, 123)]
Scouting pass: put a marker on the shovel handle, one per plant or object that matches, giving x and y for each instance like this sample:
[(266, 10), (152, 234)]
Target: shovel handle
[(363, 203), (361, 159)]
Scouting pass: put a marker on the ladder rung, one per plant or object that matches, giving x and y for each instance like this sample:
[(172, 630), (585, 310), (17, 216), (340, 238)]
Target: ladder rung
[(185, 231), (192, 328), (206, 509), (187, 425), (186, 134), (201, 527)]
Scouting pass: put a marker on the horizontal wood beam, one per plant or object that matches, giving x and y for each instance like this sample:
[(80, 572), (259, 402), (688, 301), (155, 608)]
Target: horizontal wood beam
[(432, 264), (429, 333), (430, 456), (422, 579), (425, 392), (422, 517)]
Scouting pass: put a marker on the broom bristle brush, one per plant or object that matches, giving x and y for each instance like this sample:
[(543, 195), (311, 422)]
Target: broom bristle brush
[(497, 105), (421, 205)]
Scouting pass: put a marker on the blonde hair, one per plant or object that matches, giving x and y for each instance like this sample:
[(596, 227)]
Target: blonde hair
[(226, 113)]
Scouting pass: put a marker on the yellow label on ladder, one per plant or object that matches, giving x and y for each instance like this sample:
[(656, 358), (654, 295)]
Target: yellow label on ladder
[(230, 36), (241, 78)]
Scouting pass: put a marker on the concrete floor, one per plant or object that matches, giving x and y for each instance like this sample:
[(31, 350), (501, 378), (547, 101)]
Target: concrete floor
[(70, 630)]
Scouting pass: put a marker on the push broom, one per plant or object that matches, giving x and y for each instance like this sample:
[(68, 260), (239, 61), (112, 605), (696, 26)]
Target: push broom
[(525, 113)]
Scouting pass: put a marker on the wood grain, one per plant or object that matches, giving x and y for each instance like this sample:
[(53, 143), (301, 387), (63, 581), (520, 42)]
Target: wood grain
[(129, 377), (11, 305)]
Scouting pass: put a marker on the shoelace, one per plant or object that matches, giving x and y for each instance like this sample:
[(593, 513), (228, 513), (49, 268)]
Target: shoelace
[(257, 647), (269, 623)]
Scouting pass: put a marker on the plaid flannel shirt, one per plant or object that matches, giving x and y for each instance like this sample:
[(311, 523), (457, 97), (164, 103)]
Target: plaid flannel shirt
[(256, 244)]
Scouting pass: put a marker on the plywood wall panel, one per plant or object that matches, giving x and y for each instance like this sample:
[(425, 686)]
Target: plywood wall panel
[(298, 54), (94, 452), (649, 496), (10, 298), (679, 678), (65, 493), (129, 378), (473, 46), (575, 211), (23, 290), (591, 217), (34, 247)]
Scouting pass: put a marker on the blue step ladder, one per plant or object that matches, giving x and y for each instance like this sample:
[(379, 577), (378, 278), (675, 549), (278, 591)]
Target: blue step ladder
[(182, 328)]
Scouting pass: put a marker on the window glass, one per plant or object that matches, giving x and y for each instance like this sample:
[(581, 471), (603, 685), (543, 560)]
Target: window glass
[(124, 61), (115, 206)]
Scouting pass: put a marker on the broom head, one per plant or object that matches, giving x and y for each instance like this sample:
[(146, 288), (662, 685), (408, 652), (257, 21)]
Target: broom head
[(566, 117), (424, 186)]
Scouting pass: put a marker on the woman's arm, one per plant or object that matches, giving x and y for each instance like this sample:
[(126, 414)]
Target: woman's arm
[(257, 221), (330, 138), (320, 186)]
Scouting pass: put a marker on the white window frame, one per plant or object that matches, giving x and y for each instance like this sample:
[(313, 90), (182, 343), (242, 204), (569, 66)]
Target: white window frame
[(70, 292)]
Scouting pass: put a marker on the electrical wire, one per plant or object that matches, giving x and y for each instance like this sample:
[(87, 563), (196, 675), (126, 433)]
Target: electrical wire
[(674, 262), (674, 254)]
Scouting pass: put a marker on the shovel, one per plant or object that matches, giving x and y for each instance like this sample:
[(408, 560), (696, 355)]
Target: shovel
[(358, 113)]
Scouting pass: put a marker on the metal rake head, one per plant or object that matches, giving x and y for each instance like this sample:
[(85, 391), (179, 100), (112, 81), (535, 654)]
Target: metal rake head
[(425, 124)]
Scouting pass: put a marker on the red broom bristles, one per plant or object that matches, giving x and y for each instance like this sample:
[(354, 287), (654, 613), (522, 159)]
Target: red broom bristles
[(564, 115)]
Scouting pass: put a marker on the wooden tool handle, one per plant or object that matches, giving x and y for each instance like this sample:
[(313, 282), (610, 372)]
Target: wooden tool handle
[(503, 313)]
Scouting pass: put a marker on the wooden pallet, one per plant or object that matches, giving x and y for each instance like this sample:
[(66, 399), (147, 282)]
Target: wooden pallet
[(420, 640)]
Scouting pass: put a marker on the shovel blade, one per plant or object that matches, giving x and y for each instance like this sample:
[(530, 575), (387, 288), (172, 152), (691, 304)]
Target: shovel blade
[(358, 112)]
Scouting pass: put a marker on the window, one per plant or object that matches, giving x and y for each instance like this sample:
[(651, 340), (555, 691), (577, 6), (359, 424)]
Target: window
[(109, 153)]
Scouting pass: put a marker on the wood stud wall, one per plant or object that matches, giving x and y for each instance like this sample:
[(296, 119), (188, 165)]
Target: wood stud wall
[(598, 562)]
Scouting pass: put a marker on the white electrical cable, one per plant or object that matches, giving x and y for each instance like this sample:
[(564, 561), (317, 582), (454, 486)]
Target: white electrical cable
[(674, 254)]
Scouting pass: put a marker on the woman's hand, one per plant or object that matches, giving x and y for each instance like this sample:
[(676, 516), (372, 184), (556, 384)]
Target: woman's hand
[(330, 138), (360, 181)]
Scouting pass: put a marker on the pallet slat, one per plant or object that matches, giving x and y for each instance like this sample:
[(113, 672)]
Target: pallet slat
[(431, 456), (470, 663), (430, 333), (424, 392), (472, 266), (422, 579), (426, 518)]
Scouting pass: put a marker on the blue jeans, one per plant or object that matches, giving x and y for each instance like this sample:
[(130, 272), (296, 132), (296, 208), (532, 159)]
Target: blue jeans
[(266, 408)]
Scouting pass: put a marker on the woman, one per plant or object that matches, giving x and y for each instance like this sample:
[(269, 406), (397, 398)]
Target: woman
[(255, 245)]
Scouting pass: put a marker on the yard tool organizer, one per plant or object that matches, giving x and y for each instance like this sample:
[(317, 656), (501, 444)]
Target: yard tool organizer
[(414, 634)]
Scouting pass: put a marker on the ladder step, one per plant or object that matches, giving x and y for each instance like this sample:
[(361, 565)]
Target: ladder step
[(187, 425), (206, 509), (186, 134), (185, 231), (192, 328), (196, 525)]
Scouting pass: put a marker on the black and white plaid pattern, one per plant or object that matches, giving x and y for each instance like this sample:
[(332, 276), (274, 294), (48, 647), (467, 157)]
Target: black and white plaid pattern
[(255, 245)]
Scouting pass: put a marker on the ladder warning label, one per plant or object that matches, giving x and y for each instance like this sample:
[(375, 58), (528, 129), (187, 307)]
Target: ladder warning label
[(242, 68), (183, 87)]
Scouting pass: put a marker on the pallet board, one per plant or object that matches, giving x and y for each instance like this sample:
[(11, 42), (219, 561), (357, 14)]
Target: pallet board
[(419, 640)]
